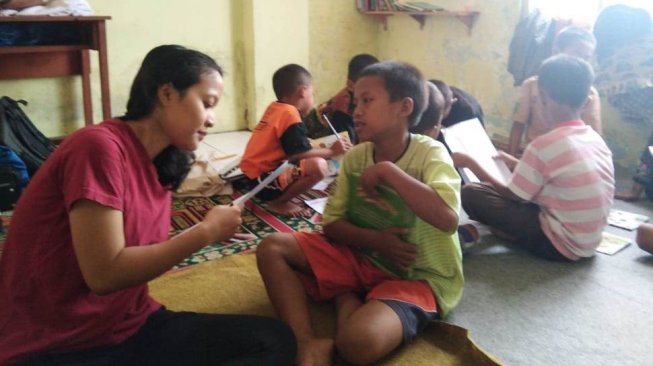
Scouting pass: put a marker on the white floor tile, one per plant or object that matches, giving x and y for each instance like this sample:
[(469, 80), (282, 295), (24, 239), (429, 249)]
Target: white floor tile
[(226, 142)]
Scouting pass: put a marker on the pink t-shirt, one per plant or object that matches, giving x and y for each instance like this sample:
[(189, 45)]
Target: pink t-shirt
[(568, 172), (45, 304)]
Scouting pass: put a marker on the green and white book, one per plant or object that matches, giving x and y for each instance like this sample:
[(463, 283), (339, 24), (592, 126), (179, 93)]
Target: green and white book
[(386, 211)]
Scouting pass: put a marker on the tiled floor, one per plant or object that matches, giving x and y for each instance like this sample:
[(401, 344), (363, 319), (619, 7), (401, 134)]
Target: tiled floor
[(227, 142)]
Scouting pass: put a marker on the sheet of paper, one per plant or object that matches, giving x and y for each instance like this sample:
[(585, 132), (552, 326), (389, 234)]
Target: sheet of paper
[(317, 204), (470, 137), (626, 220), (240, 201), (323, 184), (611, 243)]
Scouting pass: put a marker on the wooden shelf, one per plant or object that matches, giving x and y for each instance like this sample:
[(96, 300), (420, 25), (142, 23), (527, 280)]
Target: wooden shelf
[(467, 17)]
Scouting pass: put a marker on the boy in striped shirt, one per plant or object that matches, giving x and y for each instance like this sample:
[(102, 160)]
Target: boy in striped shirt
[(557, 201)]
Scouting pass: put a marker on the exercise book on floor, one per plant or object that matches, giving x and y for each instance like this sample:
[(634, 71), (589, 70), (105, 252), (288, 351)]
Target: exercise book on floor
[(626, 220), (470, 137), (611, 243)]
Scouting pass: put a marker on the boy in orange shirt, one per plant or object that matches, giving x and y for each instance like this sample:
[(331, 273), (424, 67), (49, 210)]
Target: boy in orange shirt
[(281, 135)]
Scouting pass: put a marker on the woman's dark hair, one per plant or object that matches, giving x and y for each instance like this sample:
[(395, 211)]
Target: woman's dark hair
[(181, 67), (619, 25), (402, 80)]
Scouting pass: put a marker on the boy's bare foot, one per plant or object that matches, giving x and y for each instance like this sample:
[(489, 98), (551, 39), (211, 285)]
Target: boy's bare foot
[(315, 352), (288, 209)]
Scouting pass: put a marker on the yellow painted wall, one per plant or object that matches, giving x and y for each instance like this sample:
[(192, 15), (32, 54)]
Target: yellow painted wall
[(337, 32), (252, 38), (279, 37), (442, 49), (56, 103)]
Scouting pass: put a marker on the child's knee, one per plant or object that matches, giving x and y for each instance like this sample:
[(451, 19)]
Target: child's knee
[(358, 345), (645, 237), (316, 167), (272, 247)]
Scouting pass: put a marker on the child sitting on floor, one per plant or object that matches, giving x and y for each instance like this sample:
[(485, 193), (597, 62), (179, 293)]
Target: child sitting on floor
[(557, 202), (281, 135), (431, 120), (573, 41), (387, 283), (340, 107)]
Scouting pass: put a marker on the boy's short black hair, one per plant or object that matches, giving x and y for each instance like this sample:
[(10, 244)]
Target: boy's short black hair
[(288, 78), (566, 79), (433, 112), (402, 80), (572, 34), (358, 63)]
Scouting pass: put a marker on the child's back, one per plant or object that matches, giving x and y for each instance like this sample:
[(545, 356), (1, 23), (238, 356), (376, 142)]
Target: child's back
[(566, 175)]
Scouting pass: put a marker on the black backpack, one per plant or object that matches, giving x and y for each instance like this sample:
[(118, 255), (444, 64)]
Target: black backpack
[(19, 134), (13, 178)]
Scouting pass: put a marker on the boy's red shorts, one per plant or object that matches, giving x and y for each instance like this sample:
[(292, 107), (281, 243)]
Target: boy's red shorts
[(339, 269)]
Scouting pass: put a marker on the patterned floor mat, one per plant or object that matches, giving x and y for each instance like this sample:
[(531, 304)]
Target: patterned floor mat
[(257, 221)]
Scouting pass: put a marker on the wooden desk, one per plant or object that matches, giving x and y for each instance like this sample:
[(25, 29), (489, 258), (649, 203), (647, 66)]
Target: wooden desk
[(35, 61)]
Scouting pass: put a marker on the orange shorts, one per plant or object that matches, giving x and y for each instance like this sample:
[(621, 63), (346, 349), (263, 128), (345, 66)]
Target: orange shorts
[(339, 269)]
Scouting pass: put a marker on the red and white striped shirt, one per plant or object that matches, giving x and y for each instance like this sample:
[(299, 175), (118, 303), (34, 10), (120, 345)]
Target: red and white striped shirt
[(568, 172)]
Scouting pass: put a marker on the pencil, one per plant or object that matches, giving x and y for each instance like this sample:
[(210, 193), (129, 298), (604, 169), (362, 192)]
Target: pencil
[(331, 126)]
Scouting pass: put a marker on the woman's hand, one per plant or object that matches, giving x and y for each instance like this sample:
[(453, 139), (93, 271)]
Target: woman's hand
[(221, 222)]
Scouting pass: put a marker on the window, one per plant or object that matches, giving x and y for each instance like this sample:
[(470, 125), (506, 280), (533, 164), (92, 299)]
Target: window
[(582, 10)]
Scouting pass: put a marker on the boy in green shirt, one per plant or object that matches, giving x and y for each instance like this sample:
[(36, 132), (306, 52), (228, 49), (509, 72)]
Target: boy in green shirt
[(387, 282)]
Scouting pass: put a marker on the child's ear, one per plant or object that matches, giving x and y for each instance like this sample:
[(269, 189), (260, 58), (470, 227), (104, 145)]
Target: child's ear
[(407, 105), (303, 91)]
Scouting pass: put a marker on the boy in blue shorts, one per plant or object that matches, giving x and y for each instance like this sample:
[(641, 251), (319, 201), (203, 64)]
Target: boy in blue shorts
[(387, 284)]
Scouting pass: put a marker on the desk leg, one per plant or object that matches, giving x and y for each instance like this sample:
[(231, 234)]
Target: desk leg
[(104, 71), (86, 87)]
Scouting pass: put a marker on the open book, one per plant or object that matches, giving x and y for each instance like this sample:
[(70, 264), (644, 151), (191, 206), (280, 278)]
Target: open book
[(384, 212), (612, 243), (626, 220), (470, 137)]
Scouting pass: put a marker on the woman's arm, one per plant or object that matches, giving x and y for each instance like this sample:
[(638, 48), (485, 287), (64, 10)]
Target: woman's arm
[(108, 265)]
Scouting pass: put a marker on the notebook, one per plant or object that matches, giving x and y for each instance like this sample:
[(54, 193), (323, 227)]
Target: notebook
[(470, 138)]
